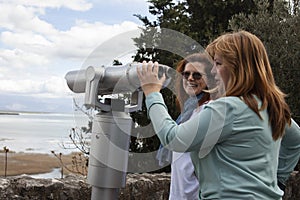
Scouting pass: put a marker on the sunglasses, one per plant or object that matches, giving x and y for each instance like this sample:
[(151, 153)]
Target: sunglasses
[(195, 75)]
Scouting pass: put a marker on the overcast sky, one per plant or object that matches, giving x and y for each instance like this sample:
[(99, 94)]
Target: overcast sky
[(41, 40)]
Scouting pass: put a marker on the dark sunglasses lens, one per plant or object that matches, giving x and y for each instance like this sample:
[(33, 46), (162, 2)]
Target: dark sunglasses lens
[(196, 75), (186, 75)]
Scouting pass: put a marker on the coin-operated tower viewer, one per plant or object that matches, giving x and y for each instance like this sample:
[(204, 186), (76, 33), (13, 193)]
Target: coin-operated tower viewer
[(111, 128)]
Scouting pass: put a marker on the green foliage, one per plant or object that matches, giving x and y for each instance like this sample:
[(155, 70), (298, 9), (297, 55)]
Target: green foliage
[(276, 22), (117, 62), (201, 20), (279, 30), (209, 19)]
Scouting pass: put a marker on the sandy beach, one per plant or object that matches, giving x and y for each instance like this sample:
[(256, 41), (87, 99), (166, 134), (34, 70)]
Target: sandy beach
[(33, 163)]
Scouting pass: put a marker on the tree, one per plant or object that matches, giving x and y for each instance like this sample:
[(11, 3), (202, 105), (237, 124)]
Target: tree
[(294, 6), (279, 29), (276, 22), (200, 20), (209, 19)]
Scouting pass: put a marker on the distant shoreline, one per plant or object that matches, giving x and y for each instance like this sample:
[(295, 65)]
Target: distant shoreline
[(9, 113)]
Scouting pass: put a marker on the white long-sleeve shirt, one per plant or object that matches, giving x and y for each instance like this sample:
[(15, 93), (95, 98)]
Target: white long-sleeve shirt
[(184, 182)]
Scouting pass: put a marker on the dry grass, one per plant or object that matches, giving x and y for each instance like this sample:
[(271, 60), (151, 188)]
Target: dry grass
[(27, 163)]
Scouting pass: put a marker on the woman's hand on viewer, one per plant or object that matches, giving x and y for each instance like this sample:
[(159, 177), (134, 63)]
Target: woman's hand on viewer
[(148, 76)]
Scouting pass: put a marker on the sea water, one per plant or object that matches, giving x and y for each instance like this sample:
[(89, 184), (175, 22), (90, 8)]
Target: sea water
[(39, 132)]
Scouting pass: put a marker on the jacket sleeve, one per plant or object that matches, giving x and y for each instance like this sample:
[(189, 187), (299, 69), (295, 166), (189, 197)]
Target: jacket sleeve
[(193, 134), (289, 152)]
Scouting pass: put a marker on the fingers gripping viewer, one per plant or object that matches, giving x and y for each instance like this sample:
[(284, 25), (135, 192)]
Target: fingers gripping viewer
[(148, 76), (244, 142)]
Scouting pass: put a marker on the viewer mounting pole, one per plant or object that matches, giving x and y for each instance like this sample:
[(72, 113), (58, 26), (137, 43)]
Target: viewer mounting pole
[(109, 153)]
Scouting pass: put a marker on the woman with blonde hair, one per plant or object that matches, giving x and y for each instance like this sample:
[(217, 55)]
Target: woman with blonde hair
[(245, 141)]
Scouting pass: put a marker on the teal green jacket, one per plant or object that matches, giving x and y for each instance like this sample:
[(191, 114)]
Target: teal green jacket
[(233, 151)]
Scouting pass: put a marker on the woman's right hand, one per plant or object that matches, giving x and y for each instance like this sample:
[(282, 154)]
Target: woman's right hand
[(148, 76)]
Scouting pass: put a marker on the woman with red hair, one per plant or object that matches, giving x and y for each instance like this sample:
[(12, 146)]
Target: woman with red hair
[(244, 142)]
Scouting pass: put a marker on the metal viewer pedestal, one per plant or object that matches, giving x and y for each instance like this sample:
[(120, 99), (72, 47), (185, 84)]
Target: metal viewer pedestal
[(109, 154)]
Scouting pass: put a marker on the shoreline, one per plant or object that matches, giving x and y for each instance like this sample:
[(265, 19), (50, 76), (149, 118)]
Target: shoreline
[(32, 163), (7, 113)]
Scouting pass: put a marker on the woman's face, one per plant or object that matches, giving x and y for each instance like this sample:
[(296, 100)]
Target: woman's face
[(220, 72), (194, 78)]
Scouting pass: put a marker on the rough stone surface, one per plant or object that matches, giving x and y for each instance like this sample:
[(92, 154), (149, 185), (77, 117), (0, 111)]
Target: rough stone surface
[(27, 188), (146, 187), (292, 191), (138, 187)]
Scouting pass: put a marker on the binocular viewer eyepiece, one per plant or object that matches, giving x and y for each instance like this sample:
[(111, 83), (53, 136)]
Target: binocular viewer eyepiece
[(116, 79)]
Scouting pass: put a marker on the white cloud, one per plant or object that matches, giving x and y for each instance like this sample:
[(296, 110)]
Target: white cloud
[(55, 87), (27, 32), (16, 106), (35, 55), (35, 44), (19, 86), (20, 18), (79, 5), (25, 40), (52, 87), (19, 59), (121, 2), (76, 43), (83, 38)]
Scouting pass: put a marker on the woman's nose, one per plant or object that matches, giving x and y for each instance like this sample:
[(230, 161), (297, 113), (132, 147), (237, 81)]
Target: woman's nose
[(213, 70), (191, 77)]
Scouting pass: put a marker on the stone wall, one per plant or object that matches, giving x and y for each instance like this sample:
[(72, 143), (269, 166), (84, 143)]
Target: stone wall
[(138, 187)]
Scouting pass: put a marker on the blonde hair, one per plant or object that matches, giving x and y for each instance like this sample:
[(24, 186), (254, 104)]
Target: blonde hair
[(250, 74)]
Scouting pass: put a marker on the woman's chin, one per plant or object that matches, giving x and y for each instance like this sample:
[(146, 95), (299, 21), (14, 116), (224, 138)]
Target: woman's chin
[(192, 92)]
